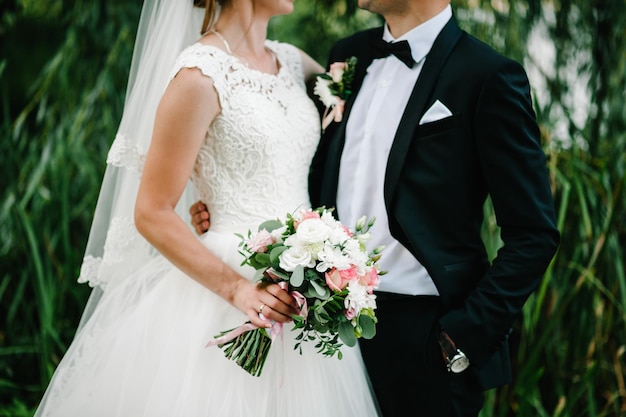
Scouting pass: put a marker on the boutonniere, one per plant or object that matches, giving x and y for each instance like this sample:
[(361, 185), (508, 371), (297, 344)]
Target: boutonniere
[(333, 88)]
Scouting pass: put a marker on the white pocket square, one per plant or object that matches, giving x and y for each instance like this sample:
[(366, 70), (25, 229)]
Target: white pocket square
[(436, 112)]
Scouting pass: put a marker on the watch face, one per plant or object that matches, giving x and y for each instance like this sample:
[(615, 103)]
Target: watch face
[(459, 363)]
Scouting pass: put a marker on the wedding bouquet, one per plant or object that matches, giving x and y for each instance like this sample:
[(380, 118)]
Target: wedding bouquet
[(326, 268)]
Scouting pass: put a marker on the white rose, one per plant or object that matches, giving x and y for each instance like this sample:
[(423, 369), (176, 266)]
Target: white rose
[(293, 240), (336, 71), (312, 231), (294, 256)]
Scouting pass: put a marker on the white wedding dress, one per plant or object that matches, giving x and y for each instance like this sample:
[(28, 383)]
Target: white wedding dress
[(142, 353)]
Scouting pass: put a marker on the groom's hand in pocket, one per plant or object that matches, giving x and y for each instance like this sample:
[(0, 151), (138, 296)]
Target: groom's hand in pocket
[(200, 217)]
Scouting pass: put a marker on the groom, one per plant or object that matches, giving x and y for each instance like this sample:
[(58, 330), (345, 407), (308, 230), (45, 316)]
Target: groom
[(434, 125)]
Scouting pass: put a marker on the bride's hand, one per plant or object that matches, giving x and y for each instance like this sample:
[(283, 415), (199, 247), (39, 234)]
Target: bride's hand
[(268, 300), (200, 217)]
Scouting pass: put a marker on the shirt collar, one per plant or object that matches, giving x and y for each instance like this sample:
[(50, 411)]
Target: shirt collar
[(422, 37)]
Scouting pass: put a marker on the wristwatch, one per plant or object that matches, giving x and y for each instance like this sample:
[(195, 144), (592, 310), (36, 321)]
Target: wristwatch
[(457, 360)]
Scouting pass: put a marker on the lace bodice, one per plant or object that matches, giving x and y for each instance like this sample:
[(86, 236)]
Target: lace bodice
[(254, 162), (252, 166)]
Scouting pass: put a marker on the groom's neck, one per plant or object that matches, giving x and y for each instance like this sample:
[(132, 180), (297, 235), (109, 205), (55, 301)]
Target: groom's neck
[(405, 15)]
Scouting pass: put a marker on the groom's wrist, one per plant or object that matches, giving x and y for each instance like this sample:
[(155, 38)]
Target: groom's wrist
[(456, 360)]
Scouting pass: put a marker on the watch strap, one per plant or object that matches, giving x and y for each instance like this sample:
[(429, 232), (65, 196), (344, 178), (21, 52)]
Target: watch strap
[(447, 344)]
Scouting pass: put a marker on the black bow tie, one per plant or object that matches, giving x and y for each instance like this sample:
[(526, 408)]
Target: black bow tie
[(401, 49)]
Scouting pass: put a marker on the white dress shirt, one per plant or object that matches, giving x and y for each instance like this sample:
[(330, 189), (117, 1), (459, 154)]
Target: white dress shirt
[(370, 131)]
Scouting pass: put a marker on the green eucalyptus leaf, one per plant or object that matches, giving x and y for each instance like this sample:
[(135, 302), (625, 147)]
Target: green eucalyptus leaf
[(297, 277), (258, 275), (262, 259), (275, 254), (368, 326), (346, 333), (321, 327), (310, 293), (322, 291), (320, 316), (312, 274), (270, 225), (280, 274)]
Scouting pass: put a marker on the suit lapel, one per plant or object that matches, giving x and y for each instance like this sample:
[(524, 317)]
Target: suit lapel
[(426, 81)]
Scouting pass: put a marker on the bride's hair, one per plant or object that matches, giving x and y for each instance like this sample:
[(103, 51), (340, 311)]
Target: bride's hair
[(210, 12)]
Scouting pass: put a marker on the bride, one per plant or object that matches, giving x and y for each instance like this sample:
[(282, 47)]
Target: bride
[(230, 112)]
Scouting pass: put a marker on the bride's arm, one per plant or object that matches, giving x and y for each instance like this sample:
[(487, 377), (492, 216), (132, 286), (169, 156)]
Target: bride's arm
[(187, 108)]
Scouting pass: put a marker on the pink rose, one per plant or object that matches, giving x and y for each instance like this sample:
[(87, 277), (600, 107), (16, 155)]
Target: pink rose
[(336, 70), (259, 242), (370, 280), (350, 313), (337, 279), (305, 215)]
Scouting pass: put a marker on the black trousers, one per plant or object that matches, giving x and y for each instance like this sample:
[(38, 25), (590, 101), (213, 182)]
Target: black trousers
[(406, 367)]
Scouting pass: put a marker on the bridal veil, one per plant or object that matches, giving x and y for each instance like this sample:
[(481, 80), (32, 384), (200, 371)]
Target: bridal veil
[(114, 247)]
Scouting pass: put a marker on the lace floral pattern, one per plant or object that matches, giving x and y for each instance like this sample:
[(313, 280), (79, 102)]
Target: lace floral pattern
[(89, 271), (253, 163), (122, 236), (123, 242), (126, 154)]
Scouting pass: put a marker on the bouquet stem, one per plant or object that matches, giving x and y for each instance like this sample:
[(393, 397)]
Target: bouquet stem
[(248, 350)]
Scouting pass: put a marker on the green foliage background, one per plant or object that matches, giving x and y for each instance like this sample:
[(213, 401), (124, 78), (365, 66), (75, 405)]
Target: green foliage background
[(63, 69)]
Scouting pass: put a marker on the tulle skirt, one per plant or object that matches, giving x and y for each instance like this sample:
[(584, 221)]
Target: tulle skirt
[(142, 354)]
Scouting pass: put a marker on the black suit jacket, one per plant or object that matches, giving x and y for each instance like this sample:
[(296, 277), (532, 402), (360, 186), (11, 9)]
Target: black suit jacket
[(437, 180)]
